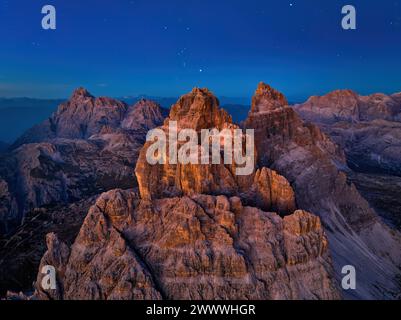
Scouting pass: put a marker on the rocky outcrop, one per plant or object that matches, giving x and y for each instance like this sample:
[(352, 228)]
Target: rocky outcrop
[(347, 105), (199, 110), (84, 116), (199, 247), (267, 99), (79, 118), (315, 168), (42, 180), (144, 115)]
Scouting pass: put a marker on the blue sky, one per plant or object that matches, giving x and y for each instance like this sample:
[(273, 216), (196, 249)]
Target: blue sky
[(164, 48)]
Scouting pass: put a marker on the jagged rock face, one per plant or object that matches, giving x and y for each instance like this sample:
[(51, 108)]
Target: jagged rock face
[(144, 115), (267, 99), (84, 116), (367, 128), (79, 118), (346, 105), (200, 110), (279, 126), (199, 247), (54, 172)]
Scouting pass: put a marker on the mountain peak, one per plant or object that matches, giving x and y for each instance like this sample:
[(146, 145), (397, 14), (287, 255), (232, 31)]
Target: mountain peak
[(202, 91), (267, 98), (199, 109), (81, 92)]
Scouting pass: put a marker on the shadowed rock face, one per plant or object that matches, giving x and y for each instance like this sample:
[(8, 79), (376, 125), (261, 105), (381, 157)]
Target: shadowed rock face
[(21, 253), (195, 232), (314, 166)]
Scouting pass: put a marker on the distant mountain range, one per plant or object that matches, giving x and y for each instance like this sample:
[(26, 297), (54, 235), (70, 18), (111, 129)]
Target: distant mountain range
[(19, 114)]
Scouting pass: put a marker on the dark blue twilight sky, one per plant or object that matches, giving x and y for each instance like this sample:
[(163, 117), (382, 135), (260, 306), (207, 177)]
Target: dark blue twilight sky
[(165, 48)]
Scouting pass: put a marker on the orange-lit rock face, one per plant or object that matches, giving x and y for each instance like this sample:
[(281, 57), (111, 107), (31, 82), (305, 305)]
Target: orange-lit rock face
[(200, 110), (267, 99)]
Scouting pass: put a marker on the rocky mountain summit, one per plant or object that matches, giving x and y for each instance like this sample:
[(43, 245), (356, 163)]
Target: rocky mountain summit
[(194, 233), (83, 116)]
